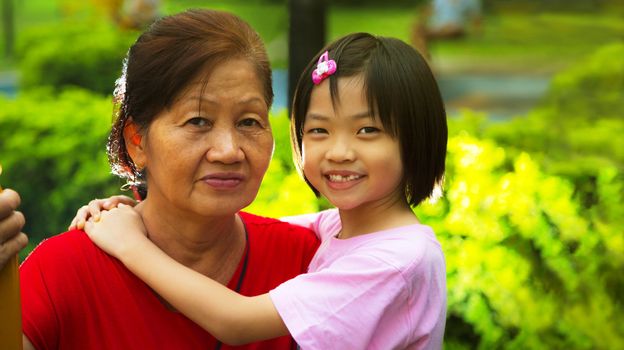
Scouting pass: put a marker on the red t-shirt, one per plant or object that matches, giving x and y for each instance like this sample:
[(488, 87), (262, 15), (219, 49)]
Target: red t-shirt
[(75, 296)]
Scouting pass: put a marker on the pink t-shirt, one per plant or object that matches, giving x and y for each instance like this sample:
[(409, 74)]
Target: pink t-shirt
[(383, 290)]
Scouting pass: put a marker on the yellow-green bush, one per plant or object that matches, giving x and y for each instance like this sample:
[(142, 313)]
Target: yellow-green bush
[(533, 220), (578, 129), (528, 266)]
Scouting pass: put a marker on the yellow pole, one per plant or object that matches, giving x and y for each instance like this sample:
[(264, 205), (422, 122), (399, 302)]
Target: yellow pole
[(10, 309)]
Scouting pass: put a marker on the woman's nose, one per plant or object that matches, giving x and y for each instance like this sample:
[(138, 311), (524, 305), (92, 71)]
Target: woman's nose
[(225, 147)]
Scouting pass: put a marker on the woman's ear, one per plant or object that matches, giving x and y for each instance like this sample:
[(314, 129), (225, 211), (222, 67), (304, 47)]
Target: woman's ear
[(134, 143)]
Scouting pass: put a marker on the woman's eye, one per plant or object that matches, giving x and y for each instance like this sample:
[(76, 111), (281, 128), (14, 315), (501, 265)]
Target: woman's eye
[(197, 121), (368, 130), (249, 122)]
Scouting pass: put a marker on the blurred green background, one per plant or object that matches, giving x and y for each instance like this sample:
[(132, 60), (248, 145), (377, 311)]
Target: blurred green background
[(532, 217)]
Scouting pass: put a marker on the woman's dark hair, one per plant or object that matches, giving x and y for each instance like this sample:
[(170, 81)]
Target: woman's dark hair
[(401, 91), (166, 58)]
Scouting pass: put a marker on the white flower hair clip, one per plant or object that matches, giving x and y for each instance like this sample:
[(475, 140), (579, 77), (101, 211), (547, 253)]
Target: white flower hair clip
[(324, 68)]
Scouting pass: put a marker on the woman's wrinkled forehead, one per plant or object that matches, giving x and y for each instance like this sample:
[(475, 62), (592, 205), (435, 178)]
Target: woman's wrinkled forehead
[(205, 81), (211, 83)]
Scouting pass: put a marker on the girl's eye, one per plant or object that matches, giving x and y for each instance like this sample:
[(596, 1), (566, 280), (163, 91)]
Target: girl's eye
[(198, 121), (316, 131), (368, 130)]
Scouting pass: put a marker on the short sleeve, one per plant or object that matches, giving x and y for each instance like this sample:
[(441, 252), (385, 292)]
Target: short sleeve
[(343, 306), (324, 224), (309, 221), (39, 319)]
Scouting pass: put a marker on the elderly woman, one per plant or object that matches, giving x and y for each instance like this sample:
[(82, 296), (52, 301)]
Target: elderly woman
[(192, 126)]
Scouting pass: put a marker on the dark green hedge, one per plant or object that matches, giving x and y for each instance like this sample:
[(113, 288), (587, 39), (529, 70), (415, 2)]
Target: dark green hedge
[(53, 151), (79, 54)]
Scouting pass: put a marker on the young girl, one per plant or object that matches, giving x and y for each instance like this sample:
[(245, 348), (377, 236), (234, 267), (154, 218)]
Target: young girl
[(369, 133)]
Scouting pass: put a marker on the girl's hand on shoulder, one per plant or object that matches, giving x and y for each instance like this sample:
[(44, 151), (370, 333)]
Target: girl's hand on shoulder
[(118, 231), (94, 209)]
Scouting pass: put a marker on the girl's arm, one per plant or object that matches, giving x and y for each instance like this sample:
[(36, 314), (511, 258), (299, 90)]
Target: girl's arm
[(230, 317)]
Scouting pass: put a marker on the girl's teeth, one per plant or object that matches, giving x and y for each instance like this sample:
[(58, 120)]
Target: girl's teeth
[(340, 178)]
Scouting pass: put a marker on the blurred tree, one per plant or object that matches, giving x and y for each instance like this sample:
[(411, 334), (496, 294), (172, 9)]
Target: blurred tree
[(130, 14), (306, 37), (8, 27), (92, 61)]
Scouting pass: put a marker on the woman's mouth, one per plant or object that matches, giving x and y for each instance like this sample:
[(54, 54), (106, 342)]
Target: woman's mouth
[(223, 180)]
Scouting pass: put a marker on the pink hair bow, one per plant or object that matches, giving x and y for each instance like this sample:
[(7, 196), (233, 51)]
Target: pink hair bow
[(324, 68)]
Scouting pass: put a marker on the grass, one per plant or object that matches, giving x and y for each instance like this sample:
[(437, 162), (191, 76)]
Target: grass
[(512, 38), (520, 40)]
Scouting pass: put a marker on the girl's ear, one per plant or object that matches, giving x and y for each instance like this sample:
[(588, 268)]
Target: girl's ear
[(134, 143)]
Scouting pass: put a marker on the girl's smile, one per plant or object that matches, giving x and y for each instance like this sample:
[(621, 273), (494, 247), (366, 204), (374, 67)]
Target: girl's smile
[(342, 180)]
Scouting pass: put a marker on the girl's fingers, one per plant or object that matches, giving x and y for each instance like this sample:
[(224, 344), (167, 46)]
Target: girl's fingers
[(94, 209), (120, 199), (81, 216)]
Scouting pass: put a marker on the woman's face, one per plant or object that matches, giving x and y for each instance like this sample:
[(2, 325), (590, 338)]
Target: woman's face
[(207, 154)]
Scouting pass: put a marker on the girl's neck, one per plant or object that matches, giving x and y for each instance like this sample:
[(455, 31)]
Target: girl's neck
[(373, 218), (212, 246)]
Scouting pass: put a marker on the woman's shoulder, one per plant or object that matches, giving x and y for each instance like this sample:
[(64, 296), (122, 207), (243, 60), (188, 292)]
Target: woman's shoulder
[(66, 241), (71, 248)]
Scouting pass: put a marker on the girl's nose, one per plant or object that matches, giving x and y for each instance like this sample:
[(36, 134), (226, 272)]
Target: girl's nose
[(340, 150), (225, 147)]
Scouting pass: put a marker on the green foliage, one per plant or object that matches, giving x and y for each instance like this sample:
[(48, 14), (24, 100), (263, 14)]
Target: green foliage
[(577, 131), (533, 220), (52, 149), (280, 124), (83, 54), (592, 89), (528, 266), (283, 191)]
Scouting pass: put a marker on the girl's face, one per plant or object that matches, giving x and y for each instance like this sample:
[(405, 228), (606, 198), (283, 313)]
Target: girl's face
[(348, 156), (208, 153)]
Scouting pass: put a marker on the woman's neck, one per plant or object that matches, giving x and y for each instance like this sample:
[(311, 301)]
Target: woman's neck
[(375, 217), (212, 246)]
